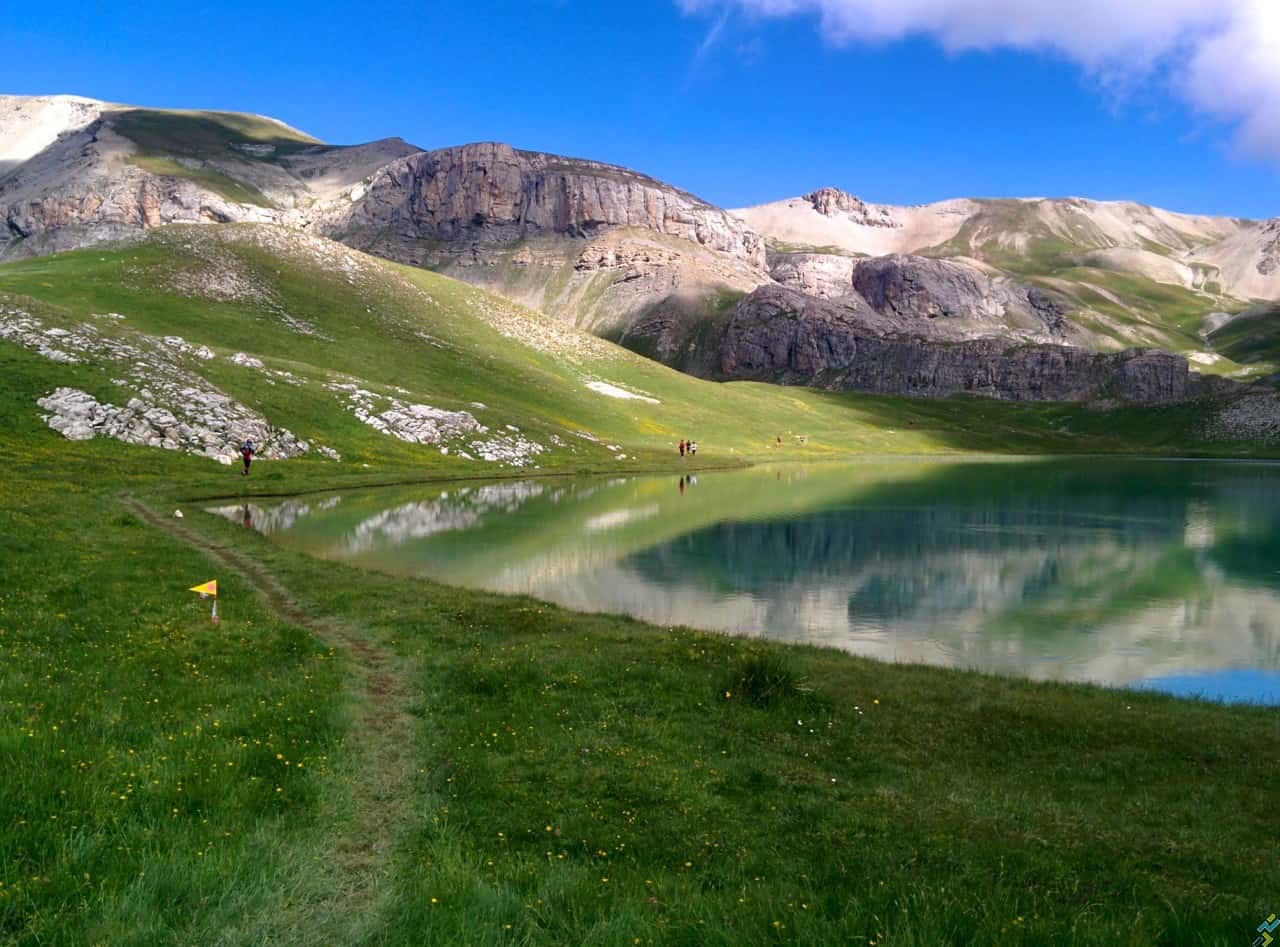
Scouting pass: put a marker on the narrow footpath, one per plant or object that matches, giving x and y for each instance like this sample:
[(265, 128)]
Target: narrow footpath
[(380, 771)]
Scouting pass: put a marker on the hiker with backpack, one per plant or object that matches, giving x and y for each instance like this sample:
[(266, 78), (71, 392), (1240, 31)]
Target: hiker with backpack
[(247, 450)]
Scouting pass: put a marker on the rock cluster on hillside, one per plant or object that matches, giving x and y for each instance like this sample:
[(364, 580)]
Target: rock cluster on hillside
[(458, 431), (212, 427), (169, 404)]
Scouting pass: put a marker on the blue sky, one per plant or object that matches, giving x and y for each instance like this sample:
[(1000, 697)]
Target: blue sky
[(732, 106)]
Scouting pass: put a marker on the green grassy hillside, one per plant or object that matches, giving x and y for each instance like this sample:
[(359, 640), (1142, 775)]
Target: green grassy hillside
[(207, 147), (318, 315), (1252, 339)]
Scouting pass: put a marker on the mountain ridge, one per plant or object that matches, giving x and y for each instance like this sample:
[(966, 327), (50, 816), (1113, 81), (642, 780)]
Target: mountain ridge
[(633, 259)]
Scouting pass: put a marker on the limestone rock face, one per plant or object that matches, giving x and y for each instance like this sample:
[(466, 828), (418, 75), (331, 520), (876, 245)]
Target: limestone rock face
[(779, 335), (82, 190), (491, 193), (826, 275)]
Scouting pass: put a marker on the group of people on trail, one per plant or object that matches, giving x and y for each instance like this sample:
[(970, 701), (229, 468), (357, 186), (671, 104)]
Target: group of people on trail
[(690, 447)]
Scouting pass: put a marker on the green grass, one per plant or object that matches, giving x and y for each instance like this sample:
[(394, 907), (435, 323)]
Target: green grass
[(572, 778), (373, 330), (786, 247), (1251, 339), (216, 181), (1130, 309), (204, 134), (179, 143)]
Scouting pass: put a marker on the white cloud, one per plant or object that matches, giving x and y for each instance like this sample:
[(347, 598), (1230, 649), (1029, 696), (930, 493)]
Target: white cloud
[(1221, 56)]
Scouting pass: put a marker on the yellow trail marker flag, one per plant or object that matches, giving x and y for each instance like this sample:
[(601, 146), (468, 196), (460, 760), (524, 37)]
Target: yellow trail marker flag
[(208, 588)]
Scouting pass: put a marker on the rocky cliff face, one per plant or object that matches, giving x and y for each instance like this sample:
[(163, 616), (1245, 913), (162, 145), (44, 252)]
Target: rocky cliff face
[(492, 194), (826, 275), (779, 335), (960, 301), (596, 245), (82, 190)]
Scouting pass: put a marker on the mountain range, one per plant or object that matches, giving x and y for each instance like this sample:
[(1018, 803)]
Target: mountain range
[(1017, 299)]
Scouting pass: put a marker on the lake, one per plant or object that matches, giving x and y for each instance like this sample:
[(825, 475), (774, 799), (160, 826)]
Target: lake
[(1158, 574)]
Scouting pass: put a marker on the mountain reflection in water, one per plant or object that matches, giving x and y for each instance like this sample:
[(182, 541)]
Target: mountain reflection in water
[(1110, 571)]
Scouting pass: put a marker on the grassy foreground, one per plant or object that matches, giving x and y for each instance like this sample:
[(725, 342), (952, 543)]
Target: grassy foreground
[(349, 758), (559, 778)]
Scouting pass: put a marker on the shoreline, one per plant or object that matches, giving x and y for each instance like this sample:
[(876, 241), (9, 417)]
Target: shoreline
[(436, 479)]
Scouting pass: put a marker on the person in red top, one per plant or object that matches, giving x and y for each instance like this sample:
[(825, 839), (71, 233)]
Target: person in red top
[(247, 450), (682, 448)]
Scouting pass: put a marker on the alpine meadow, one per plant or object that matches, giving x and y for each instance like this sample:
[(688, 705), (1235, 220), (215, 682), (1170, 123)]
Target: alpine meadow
[(596, 565)]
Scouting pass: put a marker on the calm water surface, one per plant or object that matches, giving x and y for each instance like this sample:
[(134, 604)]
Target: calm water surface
[(1147, 573)]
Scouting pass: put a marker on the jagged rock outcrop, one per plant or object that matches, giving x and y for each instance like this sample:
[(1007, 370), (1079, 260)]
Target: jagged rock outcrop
[(490, 193), (964, 301), (922, 288), (830, 201), (779, 335)]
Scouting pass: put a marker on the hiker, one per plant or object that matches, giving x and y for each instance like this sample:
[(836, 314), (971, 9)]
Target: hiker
[(693, 448), (682, 447), (247, 450)]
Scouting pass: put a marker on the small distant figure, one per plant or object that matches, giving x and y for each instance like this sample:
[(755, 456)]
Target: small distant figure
[(682, 447), (693, 448), (247, 450), (779, 440)]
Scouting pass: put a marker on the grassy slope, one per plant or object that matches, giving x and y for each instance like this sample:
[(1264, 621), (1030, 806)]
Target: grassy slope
[(373, 329), (581, 779), (1252, 339), (1127, 308), (182, 143)]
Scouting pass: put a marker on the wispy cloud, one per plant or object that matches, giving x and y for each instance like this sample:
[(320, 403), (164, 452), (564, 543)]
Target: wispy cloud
[(1222, 57), (709, 41)]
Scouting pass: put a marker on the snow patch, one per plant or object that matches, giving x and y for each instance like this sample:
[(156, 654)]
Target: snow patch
[(613, 391), (1203, 358)]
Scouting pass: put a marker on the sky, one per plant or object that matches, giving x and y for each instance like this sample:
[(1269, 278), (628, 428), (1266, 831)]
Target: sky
[(1174, 103)]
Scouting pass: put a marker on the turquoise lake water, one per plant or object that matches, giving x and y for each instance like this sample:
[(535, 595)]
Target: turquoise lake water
[(1138, 573)]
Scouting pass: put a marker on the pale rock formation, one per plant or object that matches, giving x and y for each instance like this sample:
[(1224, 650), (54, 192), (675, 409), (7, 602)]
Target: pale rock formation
[(831, 201), (492, 193), (825, 275), (209, 426)]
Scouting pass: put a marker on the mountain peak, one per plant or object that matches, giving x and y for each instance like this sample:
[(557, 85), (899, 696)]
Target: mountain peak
[(830, 201), (833, 202)]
